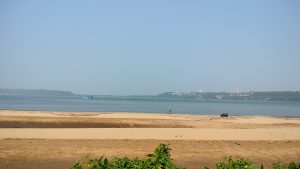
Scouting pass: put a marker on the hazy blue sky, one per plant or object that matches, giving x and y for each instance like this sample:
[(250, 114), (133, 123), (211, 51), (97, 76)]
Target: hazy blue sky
[(148, 47)]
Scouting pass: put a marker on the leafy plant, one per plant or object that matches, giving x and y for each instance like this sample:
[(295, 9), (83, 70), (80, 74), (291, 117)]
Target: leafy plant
[(100, 163), (76, 166), (239, 163), (160, 159), (291, 165)]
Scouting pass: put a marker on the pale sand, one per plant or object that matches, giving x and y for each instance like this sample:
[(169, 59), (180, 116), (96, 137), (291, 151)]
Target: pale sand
[(61, 154), (38, 119), (144, 126), (153, 133), (141, 115), (55, 140)]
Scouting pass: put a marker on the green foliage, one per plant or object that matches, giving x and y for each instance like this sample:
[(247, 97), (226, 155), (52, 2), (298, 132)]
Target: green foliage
[(291, 165), (278, 166), (160, 159), (239, 163), (76, 166), (100, 163), (294, 165)]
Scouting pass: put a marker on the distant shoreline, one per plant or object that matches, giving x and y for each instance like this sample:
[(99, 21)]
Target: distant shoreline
[(284, 96)]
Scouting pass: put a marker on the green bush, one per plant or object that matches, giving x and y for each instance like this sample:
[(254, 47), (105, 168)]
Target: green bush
[(98, 163), (291, 165), (161, 159), (76, 166), (240, 163)]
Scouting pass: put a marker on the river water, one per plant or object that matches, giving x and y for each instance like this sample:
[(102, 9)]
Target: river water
[(150, 104)]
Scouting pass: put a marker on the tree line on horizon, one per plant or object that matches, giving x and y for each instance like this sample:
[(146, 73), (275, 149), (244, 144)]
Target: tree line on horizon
[(290, 96)]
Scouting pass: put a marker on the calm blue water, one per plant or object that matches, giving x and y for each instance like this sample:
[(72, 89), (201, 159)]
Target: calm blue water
[(149, 104)]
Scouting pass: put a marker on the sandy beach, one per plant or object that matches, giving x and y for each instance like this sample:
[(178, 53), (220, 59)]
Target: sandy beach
[(58, 139)]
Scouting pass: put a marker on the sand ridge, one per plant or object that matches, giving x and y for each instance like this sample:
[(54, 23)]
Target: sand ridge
[(39, 119), (55, 140), (153, 133)]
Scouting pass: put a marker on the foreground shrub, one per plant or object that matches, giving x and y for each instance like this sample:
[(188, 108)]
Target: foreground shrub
[(76, 166), (286, 166), (240, 163), (160, 159)]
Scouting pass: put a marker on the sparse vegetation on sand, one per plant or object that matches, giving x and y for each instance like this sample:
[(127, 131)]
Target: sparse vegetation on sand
[(161, 159)]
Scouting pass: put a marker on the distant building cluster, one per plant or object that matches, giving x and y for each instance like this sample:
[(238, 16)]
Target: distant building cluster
[(237, 95)]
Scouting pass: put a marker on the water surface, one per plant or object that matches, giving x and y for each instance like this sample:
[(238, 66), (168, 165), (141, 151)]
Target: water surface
[(150, 104)]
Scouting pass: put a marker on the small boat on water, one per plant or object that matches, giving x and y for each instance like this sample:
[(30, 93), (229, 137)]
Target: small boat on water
[(87, 97)]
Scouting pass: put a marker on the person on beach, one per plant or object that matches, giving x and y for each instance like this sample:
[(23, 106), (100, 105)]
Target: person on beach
[(170, 109)]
